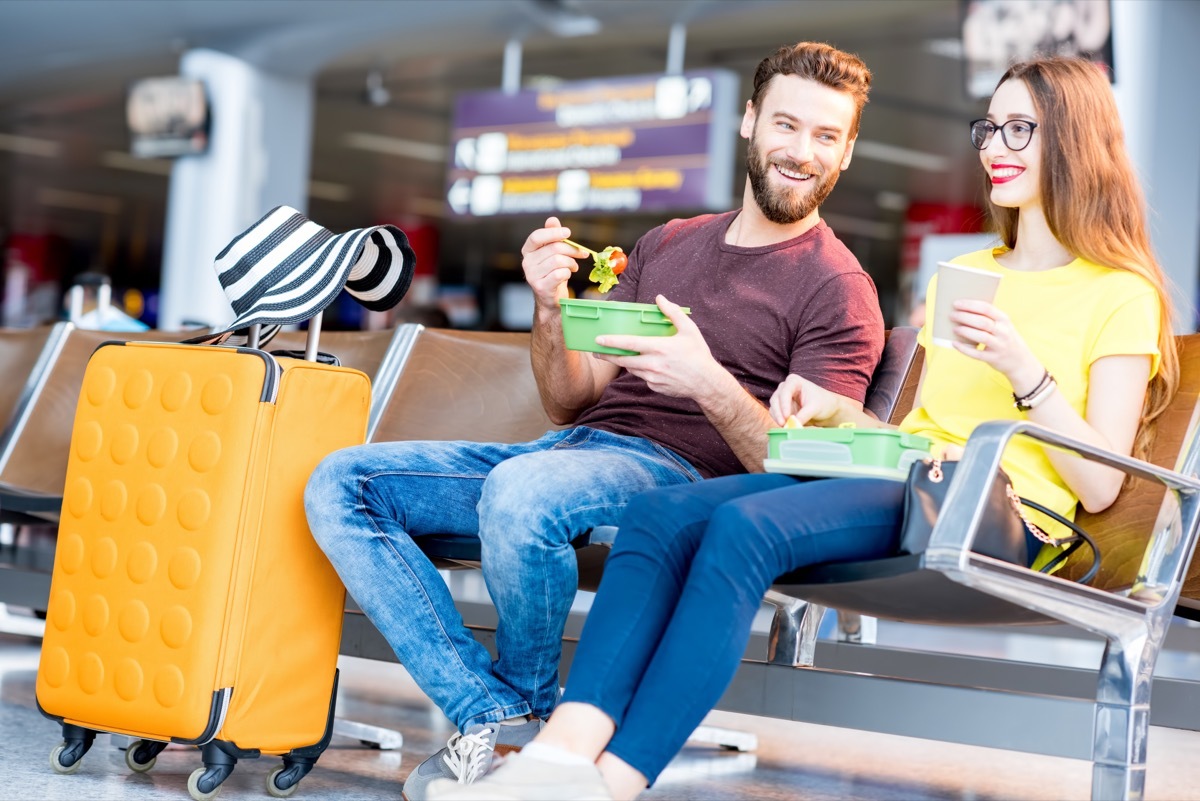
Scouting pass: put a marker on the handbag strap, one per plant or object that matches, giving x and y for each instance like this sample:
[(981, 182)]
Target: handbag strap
[(1073, 543)]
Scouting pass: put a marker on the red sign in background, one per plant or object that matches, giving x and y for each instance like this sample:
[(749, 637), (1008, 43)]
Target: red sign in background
[(923, 219)]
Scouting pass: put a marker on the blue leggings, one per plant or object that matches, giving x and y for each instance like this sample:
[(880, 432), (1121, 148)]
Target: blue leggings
[(672, 617)]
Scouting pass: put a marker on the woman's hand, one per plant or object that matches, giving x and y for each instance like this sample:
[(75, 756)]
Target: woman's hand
[(1003, 348)]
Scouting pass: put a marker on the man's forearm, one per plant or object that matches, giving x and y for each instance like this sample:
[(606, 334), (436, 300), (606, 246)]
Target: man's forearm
[(565, 379), (741, 420)]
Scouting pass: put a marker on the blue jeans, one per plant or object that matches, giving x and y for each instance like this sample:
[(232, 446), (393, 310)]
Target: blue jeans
[(526, 502), (672, 617)]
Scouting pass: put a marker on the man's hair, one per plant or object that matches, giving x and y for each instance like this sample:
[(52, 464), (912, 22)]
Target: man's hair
[(1090, 194), (818, 62)]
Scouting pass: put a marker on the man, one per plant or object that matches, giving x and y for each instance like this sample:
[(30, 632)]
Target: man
[(771, 292)]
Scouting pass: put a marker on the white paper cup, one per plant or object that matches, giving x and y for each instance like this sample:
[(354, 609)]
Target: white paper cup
[(956, 282)]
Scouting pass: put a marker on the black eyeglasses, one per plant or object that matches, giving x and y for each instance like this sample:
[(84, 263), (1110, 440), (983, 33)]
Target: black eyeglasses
[(1015, 133)]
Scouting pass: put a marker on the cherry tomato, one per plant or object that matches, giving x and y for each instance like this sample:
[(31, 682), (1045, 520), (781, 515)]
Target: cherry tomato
[(618, 261)]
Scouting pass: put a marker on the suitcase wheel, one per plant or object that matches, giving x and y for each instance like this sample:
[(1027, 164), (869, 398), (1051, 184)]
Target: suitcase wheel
[(281, 782), (141, 755), (64, 759), (68, 755), (198, 780)]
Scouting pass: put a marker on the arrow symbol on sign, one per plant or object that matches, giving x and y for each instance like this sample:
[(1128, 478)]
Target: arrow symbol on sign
[(459, 196)]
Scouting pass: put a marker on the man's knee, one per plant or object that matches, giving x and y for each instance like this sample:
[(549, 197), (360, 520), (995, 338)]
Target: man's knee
[(332, 470), (520, 504), (330, 487)]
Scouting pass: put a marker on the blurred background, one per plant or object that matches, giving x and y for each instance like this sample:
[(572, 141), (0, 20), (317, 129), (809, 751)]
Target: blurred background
[(361, 112)]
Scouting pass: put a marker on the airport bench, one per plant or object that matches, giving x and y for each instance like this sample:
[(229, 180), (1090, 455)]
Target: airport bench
[(466, 385)]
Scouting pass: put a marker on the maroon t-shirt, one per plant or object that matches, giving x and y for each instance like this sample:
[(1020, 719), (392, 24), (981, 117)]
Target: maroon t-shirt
[(803, 306)]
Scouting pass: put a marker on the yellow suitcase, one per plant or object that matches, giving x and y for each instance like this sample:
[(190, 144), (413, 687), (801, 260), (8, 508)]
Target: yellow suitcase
[(189, 602)]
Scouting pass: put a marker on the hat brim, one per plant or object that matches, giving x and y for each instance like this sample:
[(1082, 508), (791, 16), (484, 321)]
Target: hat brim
[(286, 269)]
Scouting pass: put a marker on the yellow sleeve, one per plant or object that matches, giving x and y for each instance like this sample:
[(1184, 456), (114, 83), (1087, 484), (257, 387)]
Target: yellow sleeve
[(1131, 330)]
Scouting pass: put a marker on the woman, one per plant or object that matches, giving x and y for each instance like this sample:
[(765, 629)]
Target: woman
[(1078, 340)]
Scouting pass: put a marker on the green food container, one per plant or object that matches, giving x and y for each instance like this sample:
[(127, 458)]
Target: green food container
[(584, 320), (832, 451)]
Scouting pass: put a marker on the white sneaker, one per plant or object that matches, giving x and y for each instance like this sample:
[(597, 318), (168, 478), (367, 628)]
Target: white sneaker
[(467, 757), (526, 778)]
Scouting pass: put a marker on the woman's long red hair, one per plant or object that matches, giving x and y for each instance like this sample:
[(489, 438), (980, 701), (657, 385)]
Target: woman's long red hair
[(1091, 197)]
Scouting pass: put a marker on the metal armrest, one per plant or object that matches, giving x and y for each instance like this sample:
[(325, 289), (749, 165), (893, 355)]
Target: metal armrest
[(35, 382), (388, 374), (1169, 549)]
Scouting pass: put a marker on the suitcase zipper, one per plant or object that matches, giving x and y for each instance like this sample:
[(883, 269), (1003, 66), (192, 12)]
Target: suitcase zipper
[(243, 556), (216, 719), (270, 389)]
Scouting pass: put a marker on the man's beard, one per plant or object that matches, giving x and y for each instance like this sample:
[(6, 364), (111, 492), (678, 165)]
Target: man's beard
[(782, 205)]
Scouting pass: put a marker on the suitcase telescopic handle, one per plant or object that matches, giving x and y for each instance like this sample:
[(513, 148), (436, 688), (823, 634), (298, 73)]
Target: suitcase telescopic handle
[(311, 342), (314, 337)]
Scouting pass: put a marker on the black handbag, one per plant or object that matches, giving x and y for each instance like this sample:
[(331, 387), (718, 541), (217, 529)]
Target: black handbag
[(1001, 533)]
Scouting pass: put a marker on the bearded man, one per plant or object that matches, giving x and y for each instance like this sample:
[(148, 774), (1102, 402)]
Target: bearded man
[(771, 291)]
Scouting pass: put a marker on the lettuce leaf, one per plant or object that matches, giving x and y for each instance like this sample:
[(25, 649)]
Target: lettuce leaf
[(602, 273)]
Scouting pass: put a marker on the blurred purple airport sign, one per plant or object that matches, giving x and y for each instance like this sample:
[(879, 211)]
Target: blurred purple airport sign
[(640, 143)]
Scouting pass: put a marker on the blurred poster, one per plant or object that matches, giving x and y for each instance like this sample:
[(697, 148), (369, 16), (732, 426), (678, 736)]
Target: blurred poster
[(996, 33), (167, 117), (651, 142)]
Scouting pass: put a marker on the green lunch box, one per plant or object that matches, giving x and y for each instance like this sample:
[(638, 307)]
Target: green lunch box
[(584, 320), (882, 452)]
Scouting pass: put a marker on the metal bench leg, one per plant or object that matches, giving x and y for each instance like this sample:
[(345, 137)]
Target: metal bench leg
[(373, 736), (1123, 719), (856, 628), (793, 638)]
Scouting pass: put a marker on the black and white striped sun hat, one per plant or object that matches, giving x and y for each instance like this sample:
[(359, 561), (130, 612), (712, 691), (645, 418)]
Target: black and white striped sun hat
[(285, 268)]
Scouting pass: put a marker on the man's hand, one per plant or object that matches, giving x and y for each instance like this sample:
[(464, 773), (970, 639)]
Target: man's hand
[(802, 399), (548, 262), (680, 366)]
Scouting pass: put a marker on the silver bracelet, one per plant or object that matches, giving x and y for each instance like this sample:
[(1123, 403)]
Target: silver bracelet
[(1032, 401)]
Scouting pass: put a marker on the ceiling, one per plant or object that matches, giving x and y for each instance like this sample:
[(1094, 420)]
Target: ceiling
[(65, 66)]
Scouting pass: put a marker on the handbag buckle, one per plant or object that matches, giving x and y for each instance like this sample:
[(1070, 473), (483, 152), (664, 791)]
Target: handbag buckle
[(935, 471)]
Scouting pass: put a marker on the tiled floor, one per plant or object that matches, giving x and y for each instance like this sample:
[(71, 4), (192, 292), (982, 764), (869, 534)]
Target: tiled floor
[(793, 760)]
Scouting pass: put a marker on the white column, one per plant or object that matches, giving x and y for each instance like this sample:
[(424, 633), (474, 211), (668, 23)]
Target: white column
[(1156, 62), (258, 158)]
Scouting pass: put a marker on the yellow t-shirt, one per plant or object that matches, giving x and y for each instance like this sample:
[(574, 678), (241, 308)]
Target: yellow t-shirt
[(1069, 317)]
